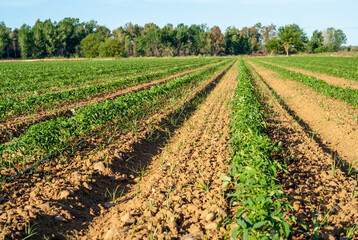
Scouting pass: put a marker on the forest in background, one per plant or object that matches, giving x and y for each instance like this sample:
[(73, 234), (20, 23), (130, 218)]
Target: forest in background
[(72, 38)]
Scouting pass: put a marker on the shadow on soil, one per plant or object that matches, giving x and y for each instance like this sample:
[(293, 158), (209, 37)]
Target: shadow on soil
[(86, 203)]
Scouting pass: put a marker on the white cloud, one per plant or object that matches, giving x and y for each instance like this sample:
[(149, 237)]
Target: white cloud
[(19, 3)]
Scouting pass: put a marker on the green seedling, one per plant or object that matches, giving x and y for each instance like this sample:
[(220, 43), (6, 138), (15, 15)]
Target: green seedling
[(351, 169), (353, 191), (350, 232), (106, 160), (334, 163), (167, 197), (30, 231), (317, 223), (150, 204), (114, 194), (152, 233)]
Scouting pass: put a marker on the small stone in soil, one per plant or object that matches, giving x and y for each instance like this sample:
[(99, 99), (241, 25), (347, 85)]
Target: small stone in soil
[(191, 237), (60, 218), (111, 234), (99, 166), (127, 219), (210, 217), (296, 206), (64, 194), (211, 226), (45, 206)]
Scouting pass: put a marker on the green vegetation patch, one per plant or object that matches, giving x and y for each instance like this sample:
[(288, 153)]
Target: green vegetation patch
[(344, 94), (252, 176)]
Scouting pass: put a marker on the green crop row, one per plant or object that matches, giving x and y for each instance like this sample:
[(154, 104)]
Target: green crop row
[(20, 79), (16, 106), (53, 135), (252, 175), (344, 94), (336, 66)]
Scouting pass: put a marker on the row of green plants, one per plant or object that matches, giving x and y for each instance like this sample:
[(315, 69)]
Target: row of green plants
[(30, 104), (20, 79), (47, 137), (344, 94), (344, 67), (251, 182)]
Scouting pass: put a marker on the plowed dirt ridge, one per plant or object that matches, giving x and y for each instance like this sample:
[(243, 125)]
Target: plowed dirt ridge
[(181, 194), (316, 192), (333, 120), (69, 198)]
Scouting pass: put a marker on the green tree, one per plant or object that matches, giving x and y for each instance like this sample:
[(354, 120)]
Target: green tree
[(25, 41), (235, 43), (268, 33), (168, 39), (274, 45), (111, 47), (15, 51), (334, 38), (215, 41), (50, 37), (128, 35), (182, 37), (197, 39), (39, 47), (68, 36), (90, 44), (316, 42), (5, 40), (292, 36), (255, 36), (149, 43)]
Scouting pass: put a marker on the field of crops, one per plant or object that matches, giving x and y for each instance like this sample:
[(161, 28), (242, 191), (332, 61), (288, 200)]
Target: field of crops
[(182, 148)]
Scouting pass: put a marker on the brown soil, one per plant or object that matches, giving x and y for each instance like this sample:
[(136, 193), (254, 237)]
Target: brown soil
[(336, 81), (180, 195), (333, 121), (14, 126), (62, 198), (310, 183)]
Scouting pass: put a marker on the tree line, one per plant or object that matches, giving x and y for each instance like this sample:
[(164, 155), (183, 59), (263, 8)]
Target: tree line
[(72, 38)]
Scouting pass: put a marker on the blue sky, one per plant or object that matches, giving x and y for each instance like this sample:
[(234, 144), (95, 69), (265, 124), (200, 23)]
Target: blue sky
[(308, 14)]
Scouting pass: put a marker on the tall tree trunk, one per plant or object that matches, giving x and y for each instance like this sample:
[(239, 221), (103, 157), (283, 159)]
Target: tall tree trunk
[(287, 48)]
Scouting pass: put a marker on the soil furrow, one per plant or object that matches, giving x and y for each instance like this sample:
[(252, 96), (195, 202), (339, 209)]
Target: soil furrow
[(180, 194), (335, 122), (316, 192), (336, 81), (67, 194), (14, 126)]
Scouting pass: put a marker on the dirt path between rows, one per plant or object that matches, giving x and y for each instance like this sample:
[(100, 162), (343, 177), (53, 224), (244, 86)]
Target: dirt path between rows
[(336, 81), (66, 194), (335, 122), (310, 179), (180, 195), (14, 126)]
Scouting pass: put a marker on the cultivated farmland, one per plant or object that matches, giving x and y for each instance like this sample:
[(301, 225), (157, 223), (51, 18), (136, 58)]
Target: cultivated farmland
[(187, 148)]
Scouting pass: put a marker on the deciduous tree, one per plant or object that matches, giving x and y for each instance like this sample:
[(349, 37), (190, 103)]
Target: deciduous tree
[(292, 36), (216, 41), (90, 45), (25, 40), (316, 42), (5, 40), (334, 38), (111, 47)]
